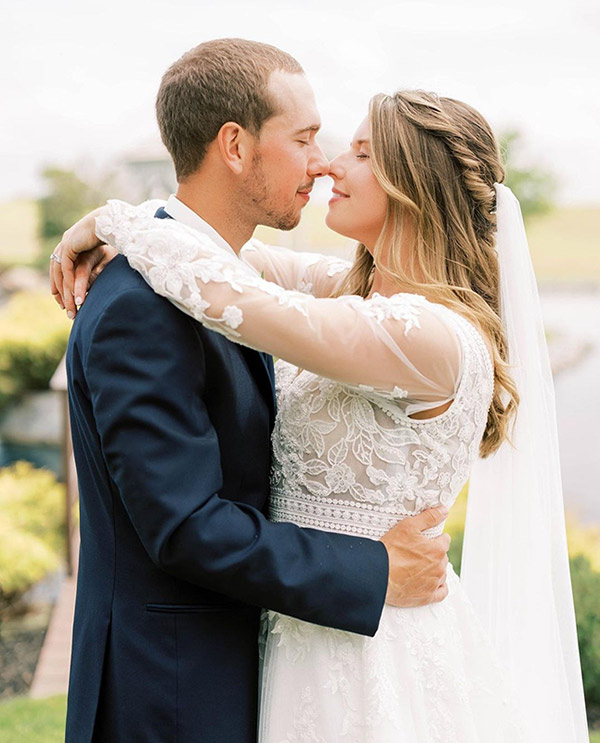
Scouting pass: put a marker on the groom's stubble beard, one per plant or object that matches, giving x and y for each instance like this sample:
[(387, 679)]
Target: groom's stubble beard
[(264, 200)]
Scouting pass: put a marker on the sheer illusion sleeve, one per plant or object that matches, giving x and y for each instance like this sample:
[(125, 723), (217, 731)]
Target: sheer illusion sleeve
[(307, 272), (310, 273), (401, 347)]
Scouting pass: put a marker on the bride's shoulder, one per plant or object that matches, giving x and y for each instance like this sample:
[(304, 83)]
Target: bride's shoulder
[(410, 307), (469, 330), (386, 306)]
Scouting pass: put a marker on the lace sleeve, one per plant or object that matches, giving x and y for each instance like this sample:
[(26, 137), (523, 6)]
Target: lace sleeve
[(401, 346), (309, 273)]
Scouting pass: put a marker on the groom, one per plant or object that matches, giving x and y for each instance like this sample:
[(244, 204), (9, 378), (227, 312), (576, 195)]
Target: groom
[(171, 431)]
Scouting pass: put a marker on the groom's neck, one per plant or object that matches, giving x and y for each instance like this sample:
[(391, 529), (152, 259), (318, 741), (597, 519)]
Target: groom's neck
[(214, 205)]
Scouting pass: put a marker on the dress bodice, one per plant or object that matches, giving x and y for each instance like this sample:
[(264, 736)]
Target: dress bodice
[(349, 459)]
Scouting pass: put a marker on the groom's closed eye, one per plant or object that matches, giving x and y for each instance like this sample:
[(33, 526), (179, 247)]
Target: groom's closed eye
[(306, 134)]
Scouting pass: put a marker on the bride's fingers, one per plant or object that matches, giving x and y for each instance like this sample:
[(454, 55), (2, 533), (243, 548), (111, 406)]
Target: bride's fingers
[(109, 254), (68, 274), (86, 271), (58, 298), (80, 238), (83, 272), (55, 274), (58, 272), (53, 287)]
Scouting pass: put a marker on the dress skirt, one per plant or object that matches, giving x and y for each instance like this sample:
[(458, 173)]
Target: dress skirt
[(429, 675)]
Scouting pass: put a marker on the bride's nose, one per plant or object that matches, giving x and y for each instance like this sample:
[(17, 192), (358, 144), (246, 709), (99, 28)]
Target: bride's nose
[(336, 170)]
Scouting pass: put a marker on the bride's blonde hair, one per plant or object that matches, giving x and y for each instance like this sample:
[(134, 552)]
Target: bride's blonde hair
[(437, 160)]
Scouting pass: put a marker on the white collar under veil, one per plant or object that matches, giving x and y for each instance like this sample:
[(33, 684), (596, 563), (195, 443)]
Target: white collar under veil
[(515, 565)]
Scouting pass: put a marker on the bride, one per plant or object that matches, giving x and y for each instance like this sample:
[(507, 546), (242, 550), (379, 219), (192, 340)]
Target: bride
[(399, 376)]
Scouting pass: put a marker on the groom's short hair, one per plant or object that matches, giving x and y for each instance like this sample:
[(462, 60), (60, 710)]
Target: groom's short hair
[(218, 81)]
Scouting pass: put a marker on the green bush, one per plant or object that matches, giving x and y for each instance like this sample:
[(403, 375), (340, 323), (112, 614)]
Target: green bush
[(586, 592), (31, 528), (33, 339), (66, 200), (455, 527), (456, 547), (24, 560), (7, 391)]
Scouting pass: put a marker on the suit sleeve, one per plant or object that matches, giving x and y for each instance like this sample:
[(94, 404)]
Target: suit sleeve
[(163, 454)]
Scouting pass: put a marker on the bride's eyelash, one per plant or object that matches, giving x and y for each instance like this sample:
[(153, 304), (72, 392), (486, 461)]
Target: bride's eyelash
[(362, 155)]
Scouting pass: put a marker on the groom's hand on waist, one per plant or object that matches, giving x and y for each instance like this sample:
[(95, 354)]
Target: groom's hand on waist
[(417, 562)]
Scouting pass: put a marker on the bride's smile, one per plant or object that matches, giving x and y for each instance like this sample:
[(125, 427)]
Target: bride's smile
[(359, 204)]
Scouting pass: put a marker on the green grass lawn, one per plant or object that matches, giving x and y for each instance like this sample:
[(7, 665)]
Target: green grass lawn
[(43, 721), (33, 720)]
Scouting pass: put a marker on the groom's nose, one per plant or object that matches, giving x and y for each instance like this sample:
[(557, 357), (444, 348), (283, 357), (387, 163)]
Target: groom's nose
[(318, 165)]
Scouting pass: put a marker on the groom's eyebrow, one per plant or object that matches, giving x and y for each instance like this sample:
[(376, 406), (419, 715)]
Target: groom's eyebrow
[(311, 128)]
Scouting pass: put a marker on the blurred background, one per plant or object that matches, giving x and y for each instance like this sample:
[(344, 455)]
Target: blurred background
[(78, 126)]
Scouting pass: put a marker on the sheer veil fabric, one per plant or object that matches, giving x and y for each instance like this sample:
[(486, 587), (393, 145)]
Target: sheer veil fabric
[(515, 566)]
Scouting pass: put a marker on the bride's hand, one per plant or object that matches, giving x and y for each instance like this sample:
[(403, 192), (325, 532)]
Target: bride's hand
[(76, 263)]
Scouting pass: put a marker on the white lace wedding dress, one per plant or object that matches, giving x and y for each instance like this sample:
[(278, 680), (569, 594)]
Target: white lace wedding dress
[(347, 457)]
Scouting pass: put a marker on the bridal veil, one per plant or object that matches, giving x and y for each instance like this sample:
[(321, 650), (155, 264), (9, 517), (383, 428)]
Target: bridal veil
[(515, 565)]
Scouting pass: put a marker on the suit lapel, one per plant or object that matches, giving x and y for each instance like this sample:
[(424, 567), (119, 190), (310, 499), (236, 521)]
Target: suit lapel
[(260, 364), (267, 360), (261, 367), (162, 214)]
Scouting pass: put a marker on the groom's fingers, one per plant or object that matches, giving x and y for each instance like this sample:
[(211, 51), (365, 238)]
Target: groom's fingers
[(439, 594), (429, 518), (417, 562), (444, 540)]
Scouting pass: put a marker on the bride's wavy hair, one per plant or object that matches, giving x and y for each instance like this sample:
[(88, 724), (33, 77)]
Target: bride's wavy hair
[(437, 160)]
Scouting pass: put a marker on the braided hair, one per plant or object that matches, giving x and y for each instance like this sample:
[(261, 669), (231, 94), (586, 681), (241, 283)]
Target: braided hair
[(437, 160)]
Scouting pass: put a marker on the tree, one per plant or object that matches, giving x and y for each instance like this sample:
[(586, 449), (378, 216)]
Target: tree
[(534, 186), (67, 199)]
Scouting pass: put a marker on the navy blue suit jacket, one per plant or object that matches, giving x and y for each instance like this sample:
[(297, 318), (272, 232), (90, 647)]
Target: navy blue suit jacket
[(171, 428)]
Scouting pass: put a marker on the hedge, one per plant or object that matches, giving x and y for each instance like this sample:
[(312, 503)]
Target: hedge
[(31, 528), (33, 338)]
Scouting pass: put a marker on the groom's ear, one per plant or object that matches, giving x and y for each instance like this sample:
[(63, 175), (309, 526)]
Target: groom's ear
[(235, 146)]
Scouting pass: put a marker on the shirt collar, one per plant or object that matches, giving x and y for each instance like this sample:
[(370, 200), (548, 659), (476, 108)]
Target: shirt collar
[(182, 213)]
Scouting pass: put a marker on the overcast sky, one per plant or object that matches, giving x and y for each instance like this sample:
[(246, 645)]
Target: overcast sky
[(79, 82)]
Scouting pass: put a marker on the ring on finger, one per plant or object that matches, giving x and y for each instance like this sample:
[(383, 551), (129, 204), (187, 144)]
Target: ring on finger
[(56, 257)]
